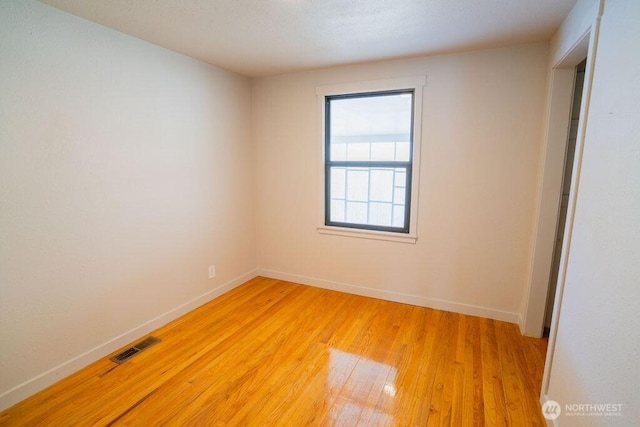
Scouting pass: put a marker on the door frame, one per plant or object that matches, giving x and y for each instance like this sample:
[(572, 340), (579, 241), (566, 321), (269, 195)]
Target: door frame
[(585, 48), (577, 45)]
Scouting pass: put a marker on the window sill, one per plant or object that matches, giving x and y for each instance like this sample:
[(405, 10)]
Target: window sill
[(368, 234)]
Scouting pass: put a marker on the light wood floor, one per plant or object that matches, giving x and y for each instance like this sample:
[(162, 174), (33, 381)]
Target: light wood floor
[(277, 353)]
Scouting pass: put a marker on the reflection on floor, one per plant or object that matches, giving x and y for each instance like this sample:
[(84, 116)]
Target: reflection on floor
[(357, 384)]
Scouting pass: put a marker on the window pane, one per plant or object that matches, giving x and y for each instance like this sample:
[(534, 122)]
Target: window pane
[(371, 127), (383, 151), (338, 183), (399, 196), (338, 152), (381, 185), (403, 151), (380, 214), (399, 186), (398, 216), (358, 184), (356, 213), (358, 151), (337, 210), (368, 196)]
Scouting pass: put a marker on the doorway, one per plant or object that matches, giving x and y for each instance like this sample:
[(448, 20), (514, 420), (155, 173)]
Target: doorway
[(566, 186)]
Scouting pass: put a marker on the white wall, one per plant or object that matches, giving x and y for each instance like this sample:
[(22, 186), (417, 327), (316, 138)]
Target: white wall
[(125, 170), (482, 126), (597, 345)]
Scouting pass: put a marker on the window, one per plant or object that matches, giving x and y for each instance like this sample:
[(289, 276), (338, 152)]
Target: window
[(368, 160), (370, 148)]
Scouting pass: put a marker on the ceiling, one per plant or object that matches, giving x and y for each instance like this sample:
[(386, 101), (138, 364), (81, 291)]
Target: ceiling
[(264, 37)]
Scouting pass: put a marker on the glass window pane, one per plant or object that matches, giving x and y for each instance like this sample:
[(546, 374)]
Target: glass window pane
[(380, 214), (338, 183), (358, 151), (337, 210), (400, 188), (356, 212), (338, 151), (398, 216), (381, 185), (368, 196), (403, 151), (358, 184), (361, 121), (382, 151), (399, 196)]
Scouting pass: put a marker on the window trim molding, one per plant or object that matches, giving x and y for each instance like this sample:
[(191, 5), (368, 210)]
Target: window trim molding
[(415, 83)]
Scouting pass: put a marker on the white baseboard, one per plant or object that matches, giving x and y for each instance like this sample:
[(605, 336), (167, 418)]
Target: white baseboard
[(44, 380), (521, 324), (439, 304)]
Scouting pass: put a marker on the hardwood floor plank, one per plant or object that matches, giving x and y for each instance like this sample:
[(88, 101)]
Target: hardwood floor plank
[(473, 357), (422, 390), (526, 381), (495, 412), (277, 353), (440, 409), (458, 379), (516, 412)]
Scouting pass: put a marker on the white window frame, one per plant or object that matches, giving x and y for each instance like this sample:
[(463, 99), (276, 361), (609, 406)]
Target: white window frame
[(415, 83)]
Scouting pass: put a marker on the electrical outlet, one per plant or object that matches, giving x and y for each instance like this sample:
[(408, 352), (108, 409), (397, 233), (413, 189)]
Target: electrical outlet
[(212, 271)]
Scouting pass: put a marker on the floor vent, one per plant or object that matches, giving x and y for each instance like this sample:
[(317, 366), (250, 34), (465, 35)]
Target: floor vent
[(132, 351)]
